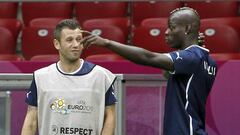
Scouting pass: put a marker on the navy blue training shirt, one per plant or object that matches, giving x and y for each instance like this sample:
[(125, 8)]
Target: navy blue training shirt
[(187, 91)]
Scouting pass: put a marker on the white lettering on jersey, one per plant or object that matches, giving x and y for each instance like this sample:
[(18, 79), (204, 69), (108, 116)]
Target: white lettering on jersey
[(211, 70)]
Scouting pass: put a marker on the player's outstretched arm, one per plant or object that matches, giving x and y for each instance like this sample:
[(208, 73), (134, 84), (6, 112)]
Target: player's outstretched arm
[(109, 120), (132, 53), (30, 123)]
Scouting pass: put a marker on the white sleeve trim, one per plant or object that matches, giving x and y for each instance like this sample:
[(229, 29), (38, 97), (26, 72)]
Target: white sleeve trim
[(169, 56)]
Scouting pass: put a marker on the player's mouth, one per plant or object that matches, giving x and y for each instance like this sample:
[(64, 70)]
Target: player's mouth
[(75, 50)]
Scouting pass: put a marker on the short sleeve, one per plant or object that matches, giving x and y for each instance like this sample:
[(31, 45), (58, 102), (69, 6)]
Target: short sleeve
[(31, 96), (110, 97), (184, 61), (110, 78)]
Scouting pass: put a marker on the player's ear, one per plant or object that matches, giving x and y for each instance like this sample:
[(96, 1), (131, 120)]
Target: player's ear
[(56, 44), (188, 29)]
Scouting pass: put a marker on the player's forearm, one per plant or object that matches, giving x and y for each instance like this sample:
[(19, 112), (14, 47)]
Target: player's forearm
[(108, 127), (29, 129), (30, 122), (132, 53), (109, 121)]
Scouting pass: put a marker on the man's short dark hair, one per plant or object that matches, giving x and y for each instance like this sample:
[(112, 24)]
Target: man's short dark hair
[(67, 23)]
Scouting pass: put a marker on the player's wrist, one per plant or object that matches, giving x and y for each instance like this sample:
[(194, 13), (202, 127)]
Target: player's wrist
[(107, 42)]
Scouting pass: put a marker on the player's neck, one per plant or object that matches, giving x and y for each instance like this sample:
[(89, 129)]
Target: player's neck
[(69, 67), (188, 43)]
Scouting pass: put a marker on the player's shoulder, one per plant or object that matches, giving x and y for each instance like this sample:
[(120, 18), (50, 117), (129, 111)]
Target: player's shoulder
[(101, 69), (97, 68), (88, 66), (46, 69), (196, 49), (202, 53)]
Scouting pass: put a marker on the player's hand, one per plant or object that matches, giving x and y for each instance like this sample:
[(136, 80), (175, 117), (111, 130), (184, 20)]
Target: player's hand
[(201, 39), (90, 39)]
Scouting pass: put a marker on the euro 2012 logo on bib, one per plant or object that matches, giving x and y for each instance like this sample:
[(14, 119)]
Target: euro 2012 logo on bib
[(59, 106)]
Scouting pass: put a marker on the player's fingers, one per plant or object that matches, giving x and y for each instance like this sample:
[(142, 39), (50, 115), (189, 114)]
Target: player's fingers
[(200, 33), (201, 39), (86, 33), (83, 41), (89, 42), (201, 36)]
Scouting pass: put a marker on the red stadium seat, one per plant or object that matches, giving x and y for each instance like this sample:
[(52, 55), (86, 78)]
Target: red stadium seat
[(45, 22), (155, 22), (121, 22), (13, 25), (109, 32), (212, 9), (153, 9), (37, 41), (8, 9), (91, 10), (10, 57), (46, 57), (31, 10), (104, 57), (151, 38), (220, 38), (233, 22), (7, 44)]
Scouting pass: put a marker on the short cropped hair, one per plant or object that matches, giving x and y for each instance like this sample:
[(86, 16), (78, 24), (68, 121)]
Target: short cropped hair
[(67, 23), (185, 8)]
